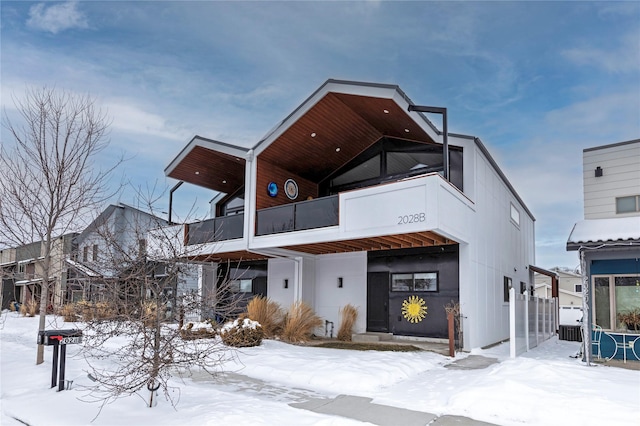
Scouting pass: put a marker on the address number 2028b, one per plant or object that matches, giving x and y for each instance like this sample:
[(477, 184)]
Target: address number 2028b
[(411, 218)]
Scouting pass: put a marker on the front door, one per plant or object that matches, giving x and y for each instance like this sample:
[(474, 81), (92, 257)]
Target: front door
[(378, 302)]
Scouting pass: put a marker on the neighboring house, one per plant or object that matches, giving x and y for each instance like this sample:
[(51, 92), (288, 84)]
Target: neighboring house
[(22, 271), (112, 254), (569, 287), (608, 241), (352, 200)]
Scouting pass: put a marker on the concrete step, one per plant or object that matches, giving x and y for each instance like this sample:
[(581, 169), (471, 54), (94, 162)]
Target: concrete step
[(371, 337)]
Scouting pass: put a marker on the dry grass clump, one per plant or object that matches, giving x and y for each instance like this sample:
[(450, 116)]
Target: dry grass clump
[(150, 313), (69, 312), (300, 323), (268, 313), (349, 314), (91, 311), (242, 333), (29, 308)]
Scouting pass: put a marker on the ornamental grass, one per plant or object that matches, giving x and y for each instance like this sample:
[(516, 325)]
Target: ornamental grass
[(268, 313), (300, 323), (348, 315)]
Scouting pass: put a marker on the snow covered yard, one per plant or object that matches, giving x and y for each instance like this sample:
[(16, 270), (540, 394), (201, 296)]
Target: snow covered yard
[(544, 387)]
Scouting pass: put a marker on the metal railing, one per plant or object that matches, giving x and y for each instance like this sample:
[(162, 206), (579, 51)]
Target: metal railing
[(298, 216), (217, 229)]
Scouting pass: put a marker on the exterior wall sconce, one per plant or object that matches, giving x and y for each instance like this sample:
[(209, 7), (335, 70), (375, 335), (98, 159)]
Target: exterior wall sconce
[(339, 282), (286, 283), (598, 171)]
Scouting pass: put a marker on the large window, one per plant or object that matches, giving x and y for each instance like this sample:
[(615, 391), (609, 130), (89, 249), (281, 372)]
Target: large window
[(613, 295), (419, 281), (391, 159)]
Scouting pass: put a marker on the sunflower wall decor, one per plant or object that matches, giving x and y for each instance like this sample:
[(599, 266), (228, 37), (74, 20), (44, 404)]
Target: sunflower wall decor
[(414, 309)]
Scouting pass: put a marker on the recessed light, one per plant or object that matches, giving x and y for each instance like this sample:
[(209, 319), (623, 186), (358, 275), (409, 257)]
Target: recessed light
[(313, 135), (386, 111), (338, 149), (224, 181), (406, 130), (197, 173)]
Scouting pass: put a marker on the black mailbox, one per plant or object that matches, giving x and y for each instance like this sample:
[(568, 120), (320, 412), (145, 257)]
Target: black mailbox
[(59, 337)]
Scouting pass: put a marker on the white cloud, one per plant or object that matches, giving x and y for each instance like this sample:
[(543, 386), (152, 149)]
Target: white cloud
[(132, 119), (56, 18), (624, 58)]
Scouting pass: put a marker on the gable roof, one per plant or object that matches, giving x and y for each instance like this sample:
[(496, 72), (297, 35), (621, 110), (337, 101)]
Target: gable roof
[(332, 126), (104, 216)]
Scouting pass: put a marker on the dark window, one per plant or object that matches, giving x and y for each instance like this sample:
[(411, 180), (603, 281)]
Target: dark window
[(578, 288), (506, 287), (95, 252), (392, 159), (419, 281), (85, 254), (241, 286)]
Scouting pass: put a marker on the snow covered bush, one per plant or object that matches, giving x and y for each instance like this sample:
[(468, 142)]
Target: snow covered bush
[(242, 333), (197, 330)]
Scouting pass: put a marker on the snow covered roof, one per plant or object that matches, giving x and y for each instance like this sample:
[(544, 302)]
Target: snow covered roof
[(83, 268), (600, 231)]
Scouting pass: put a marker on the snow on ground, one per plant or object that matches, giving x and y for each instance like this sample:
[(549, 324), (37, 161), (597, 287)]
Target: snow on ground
[(544, 387)]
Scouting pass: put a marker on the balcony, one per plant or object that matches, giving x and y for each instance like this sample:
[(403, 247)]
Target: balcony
[(310, 214), (216, 229)]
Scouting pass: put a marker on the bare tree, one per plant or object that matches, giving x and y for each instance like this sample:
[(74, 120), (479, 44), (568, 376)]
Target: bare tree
[(142, 307), (49, 178)]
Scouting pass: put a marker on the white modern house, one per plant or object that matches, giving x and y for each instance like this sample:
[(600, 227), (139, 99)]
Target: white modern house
[(608, 243), (357, 198)]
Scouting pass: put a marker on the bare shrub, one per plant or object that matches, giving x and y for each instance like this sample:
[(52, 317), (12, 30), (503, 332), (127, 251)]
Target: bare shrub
[(268, 313), (349, 314), (300, 322), (150, 313), (242, 333)]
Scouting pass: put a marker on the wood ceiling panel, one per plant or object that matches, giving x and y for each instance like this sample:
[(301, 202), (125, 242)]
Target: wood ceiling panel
[(211, 169), (340, 135), (418, 239)]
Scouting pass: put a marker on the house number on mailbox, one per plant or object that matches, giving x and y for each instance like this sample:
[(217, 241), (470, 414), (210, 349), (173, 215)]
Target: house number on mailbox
[(411, 218)]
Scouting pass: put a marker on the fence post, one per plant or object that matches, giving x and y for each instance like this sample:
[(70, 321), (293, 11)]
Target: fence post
[(512, 322), (452, 342)]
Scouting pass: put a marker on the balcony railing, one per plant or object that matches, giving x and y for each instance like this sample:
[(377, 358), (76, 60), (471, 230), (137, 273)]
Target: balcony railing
[(216, 229), (310, 214)]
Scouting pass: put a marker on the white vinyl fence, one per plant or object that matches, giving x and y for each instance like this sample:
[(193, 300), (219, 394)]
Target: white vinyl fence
[(532, 320)]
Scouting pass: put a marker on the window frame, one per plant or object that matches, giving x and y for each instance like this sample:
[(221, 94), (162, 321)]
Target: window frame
[(613, 320), (514, 215), (432, 275), (636, 199), (239, 288)]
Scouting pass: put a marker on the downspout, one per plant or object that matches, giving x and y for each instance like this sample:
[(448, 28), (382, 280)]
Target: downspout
[(250, 224)]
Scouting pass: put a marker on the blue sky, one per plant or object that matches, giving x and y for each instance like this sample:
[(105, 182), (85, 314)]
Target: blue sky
[(537, 82)]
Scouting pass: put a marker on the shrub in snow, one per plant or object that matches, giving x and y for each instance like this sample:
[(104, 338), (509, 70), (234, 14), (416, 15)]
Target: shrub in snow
[(242, 333), (197, 330)]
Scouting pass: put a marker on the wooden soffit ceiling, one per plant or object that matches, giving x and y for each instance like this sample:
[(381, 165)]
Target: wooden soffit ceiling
[(210, 169), (388, 242), (335, 130)]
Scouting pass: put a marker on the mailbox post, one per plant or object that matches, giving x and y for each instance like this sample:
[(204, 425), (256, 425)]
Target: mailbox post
[(59, 339)]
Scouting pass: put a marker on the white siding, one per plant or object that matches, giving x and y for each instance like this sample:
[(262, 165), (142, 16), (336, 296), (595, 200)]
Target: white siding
[(498, 248), (620, 164)]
